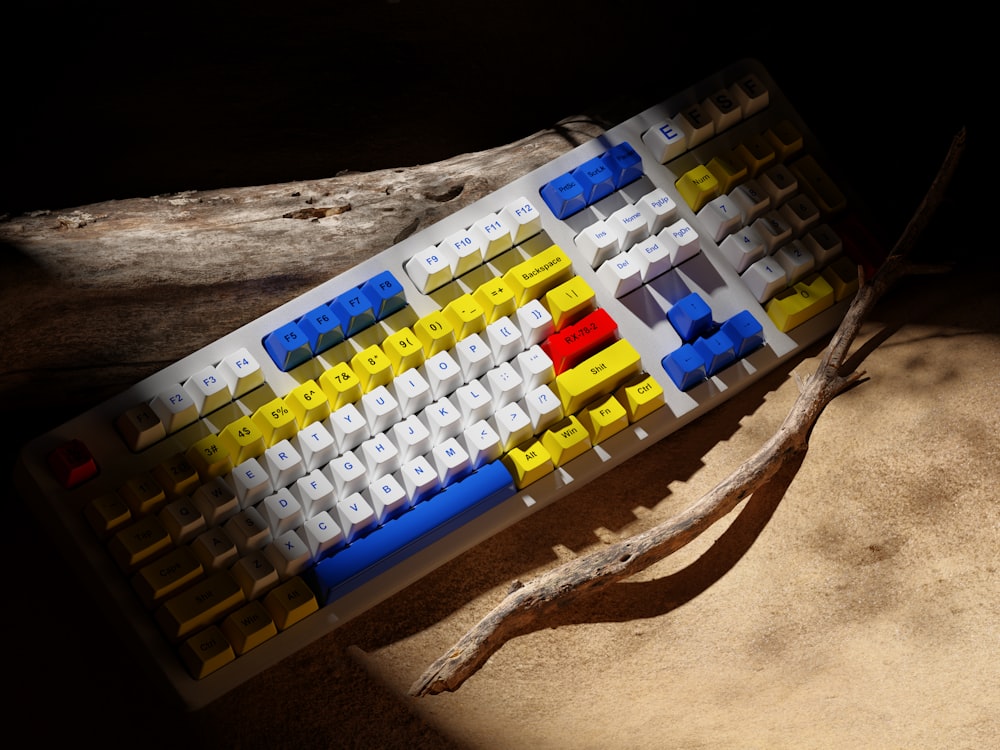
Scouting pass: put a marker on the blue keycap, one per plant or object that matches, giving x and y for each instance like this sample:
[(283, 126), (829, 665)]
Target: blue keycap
[(745, 331), (386, 294), (691, 317), (322, 327), (625, 164), (354, 310), (717, 351), (288, 346), (684, 366), (421, 525), (564, 195), (595, 179)]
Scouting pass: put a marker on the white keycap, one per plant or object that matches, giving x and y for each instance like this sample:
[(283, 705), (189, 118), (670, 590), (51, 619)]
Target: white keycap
[(443, 374), (412, 437), (474, 357), (175, 407), (666, 140), (248, 530), (505, 383), (523, 219), (387, 497), (316, 445), (743, 248), (419, 479), (315, 492), (765, 278), (251, 482), (751, 199), (535, 366), (543, 408), (797, 261), (474, 401), (513, 425), (597, 243), (209, 388), (534, 322), (216, 500), (349, 427), (504, 339), (443, 419), (321, 534), (283, 463), (482, 443), (652, 256), (495, 233), (773, 230), (431, 268), (658, 208), (619, 275), (451, 461), (628, 225), (354, 515), (467, 247), (823, 243), (241, 372), (283, 511), (720, 217), (348, 473), (686, 243), (412, 391), (381, 409), (381, 455)]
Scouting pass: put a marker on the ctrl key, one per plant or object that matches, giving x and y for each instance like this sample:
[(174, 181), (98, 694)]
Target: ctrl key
[(205, 652), (72, 463)]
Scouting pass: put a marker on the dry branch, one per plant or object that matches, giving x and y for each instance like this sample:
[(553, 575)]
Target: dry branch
[(527, 606)]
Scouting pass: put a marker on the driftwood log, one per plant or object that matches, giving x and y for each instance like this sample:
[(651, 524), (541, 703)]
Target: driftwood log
[(88, 288), (527, 607)]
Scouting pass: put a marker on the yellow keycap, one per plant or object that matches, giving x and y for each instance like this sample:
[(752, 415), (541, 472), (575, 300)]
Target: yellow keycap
[(159, 579), (290, 602), (697, 187), (570, 301), (842, 275), (142, 494), (466, 316), (640, 397), (372, 367), (107, 514), (139, 543), (528, 463), (531, 278), (566, 440), (176, 475), (404, 350), (248, 627), (242, 440), (727, 171), (786, 139), (210, 458), (603, 419), (797, 304), (308, 402), (597, 375), (496, 298), (205, 652), (200, 605), (341, 385), (818, 185), (275, 421), (756, 153)]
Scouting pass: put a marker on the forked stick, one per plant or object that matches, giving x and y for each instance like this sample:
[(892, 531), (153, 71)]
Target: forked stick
[(528, 604)]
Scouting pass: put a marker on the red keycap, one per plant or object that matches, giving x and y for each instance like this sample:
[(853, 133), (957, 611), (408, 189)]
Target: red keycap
[(578, 341), (72, 463)]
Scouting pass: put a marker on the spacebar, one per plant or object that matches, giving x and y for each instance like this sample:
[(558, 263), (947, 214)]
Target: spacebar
[(407, 534)]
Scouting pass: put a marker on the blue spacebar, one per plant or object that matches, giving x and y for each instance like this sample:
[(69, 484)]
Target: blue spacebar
[(420, 526)]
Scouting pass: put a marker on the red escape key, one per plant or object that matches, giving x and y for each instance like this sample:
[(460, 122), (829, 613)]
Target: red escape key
[(72, 463)]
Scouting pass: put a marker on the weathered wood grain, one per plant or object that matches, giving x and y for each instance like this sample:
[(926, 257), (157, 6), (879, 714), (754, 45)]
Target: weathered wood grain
[(96, 297)]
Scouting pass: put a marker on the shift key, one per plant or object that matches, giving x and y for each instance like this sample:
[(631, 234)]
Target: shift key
[(597, 375)]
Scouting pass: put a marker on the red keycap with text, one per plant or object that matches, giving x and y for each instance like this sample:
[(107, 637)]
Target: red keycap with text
[(576, 342)]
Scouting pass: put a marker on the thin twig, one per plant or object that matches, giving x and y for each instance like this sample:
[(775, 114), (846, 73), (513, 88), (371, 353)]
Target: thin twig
[(526, 605)]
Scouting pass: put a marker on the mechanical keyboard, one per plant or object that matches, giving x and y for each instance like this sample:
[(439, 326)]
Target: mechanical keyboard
[(254, 495)]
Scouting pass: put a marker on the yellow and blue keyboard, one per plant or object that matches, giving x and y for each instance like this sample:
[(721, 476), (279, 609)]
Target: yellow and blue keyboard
[(249, 498)]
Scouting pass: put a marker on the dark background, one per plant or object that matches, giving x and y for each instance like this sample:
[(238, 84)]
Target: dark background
[(108, 100)]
